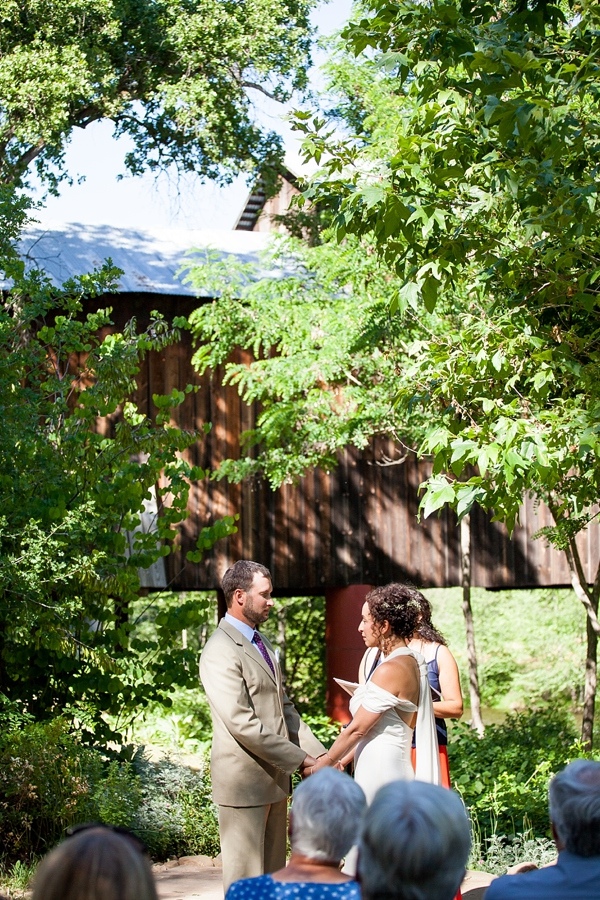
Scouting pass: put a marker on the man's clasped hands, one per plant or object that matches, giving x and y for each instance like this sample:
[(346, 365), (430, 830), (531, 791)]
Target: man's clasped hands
[(312, 764)]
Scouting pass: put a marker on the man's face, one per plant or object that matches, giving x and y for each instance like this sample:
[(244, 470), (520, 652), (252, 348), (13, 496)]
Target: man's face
[(257, 601)]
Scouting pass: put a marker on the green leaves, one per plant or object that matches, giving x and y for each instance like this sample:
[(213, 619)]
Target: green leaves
[(490, 165), (208, 536), (439, 493), (313, 361), (173, 75), (73, 490)]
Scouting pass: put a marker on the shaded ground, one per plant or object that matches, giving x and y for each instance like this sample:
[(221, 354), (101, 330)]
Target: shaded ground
[(193, 877)]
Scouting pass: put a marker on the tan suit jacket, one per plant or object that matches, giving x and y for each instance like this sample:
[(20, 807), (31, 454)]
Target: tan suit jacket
[(258, 737)]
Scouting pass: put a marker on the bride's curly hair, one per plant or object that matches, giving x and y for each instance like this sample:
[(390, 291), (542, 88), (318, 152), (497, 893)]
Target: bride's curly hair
[(396, 604)]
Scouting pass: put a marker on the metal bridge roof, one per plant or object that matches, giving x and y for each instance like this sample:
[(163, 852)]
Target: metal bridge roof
[(151, 260)]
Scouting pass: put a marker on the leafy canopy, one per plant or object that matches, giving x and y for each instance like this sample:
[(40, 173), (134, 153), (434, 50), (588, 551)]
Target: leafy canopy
[(79, 464), (489, 176), (485, 192), (173, 75), (321, 335)]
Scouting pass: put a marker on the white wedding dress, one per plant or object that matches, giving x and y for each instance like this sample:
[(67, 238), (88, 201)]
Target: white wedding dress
[(383, 755)]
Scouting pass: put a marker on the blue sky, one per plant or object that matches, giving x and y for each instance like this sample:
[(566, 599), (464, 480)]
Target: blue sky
[(95, 161)]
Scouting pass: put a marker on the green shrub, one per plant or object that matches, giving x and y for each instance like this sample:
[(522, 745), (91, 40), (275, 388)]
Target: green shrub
[(497, 853), (49, 781), (117, 795), (185, 724), (176, 815), (503, 777), (46, 780), (201, 821)]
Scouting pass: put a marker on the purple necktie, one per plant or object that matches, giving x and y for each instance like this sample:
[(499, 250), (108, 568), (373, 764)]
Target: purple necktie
[(263, 650)]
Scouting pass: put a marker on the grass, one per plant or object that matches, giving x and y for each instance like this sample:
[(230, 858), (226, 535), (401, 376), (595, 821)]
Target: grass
[(16, 879), (530, 645)]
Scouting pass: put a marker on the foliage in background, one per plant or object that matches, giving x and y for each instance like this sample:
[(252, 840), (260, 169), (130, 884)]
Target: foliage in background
[(498, 853), (503, 779), (180, 719), (183, 723), (296, 626), (530, 645), (49, 780), (488, 193), (313, 327), (174, 76), (47, 783), (503, 776), (176, 815), (78, 465), (469, 165)]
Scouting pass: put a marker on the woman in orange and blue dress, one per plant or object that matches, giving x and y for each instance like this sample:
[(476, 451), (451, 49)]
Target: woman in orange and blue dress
[(443, 677)]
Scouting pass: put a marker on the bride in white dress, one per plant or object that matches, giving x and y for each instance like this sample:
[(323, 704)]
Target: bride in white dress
[(393, 701)]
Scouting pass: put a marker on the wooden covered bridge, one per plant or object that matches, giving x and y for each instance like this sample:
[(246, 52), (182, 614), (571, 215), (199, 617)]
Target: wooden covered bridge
[(331, 534)]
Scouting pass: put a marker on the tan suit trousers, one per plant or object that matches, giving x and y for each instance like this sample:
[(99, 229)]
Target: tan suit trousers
[(253, 840)]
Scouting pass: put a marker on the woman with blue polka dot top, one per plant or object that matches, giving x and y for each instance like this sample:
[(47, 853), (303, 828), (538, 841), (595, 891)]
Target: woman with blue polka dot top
[(324, 824)]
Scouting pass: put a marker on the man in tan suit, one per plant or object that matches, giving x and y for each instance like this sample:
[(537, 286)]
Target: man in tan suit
[(258, 737)]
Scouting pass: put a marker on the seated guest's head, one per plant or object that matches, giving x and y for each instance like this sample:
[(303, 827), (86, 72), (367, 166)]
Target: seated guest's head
[(326, 815), (96, 863), (414, 843), (574, 796)]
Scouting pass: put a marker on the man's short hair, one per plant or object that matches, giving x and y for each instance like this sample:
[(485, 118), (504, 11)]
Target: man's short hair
[(240, 577), (414, 843), (574, 799)]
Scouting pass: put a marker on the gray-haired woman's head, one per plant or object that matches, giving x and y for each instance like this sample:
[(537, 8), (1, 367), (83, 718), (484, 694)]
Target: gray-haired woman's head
[(414, 843), (326, 815), (574, 796)]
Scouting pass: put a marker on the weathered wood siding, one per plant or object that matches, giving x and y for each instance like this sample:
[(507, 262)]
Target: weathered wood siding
[(356, 525)]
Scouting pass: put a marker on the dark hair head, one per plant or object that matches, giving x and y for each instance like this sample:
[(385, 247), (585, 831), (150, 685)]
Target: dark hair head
[(96, 863), (426, 630), (395, 604), (240, 577)]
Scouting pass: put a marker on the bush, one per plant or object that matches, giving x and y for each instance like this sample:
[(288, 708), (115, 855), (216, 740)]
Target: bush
[(49, 781), (184, 724), (496, 854), (503, 777), (176, 816)]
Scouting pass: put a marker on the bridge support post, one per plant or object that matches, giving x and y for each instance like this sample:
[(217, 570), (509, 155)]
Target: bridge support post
[(345, 646)]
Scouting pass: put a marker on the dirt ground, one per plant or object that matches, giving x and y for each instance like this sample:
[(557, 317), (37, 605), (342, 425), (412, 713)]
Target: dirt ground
[(193, 877)]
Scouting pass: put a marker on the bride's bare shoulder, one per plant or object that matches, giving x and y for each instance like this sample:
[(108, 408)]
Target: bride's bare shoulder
[(397, 674)]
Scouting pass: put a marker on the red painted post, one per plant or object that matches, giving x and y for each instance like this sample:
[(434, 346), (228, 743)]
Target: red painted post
[(345, 646)]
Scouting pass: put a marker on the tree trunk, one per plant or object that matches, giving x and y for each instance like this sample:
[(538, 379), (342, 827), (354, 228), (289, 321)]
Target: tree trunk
[(589, 597), (589, 693), (474, 694), (580, 586), (281, 641)]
